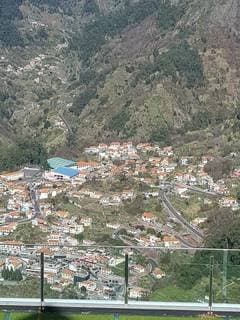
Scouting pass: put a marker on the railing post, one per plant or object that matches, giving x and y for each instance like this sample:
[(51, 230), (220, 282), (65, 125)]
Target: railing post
[(224, 280), (211, 282), (126, 279), (42, 280)]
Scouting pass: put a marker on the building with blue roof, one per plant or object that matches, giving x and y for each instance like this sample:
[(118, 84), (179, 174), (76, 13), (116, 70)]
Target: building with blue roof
[(64, 173), (57, 162)]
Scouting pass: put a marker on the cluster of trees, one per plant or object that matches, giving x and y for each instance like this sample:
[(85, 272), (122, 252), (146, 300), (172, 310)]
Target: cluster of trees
[(222, 232), (7, 101), (118, 121), (90, 7), (169, 15), (11, 275), (9, 11), (96, 33), (180, 60), (80, 102), (89, 79), (25, 151), (161, 135), (136, 205), (219, 168), (53, 5)]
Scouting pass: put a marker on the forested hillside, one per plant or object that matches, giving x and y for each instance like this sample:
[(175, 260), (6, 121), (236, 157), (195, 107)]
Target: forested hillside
[(83, 71)]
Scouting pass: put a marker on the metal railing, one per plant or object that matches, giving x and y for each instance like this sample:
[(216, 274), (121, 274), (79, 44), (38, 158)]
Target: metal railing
[(122, 278)]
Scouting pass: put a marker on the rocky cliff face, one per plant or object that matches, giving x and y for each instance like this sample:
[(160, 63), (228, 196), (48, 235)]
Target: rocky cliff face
[(87, 71)]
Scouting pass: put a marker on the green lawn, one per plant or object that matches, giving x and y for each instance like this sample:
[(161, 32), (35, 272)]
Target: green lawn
[(172, 293), (52, 316)]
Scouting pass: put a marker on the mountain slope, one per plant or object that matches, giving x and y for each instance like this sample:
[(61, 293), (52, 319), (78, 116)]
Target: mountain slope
[(90, 71)]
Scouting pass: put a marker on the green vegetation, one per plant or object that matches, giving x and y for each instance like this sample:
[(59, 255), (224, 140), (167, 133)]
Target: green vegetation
[(119, 121), (136, 206), (169, 15), (172, 293), (95, 33), (191, 208), (11, 275), (54, 316), (91, 7), (28, 234), (218, 168), (161, 135), (180, 59), (26, 151), (28, 288), (119, 269), (188, 275), (223, 229), (9, 34), (53, 5), (238, 195), (83, 99)]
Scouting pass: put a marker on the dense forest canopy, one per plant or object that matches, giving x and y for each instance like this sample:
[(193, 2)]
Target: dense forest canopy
[(25, 151), (95, 33), (9, 12)]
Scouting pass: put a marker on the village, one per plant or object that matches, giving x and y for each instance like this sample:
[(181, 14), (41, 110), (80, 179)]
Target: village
[(118, 194)]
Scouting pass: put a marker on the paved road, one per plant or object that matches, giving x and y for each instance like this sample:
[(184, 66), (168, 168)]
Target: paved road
[(173, 212)]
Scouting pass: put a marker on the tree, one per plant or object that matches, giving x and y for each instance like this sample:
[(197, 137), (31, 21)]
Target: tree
[(90, 7), (9, 11), (83, 291), (26, 151), (223, 232), (11, 275), (79, 237), (223, 229), (238, 195), (70, 292), (218, 168), (136, 206), (169, 15), (18, 275)]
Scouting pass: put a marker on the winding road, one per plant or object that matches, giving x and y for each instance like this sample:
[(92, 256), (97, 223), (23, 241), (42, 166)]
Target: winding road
[(173, 212)]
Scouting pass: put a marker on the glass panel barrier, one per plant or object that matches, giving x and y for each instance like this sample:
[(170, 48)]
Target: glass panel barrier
[(120, 273), (20, 271), (231, 286), (169, 275), (84, 273)]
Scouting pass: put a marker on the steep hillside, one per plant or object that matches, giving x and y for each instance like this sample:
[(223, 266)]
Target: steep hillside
[(79, 72)]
